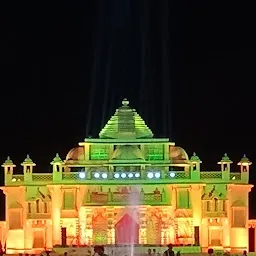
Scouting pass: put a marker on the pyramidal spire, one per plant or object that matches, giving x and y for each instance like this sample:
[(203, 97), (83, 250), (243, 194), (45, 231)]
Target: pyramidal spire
[(126, 123)]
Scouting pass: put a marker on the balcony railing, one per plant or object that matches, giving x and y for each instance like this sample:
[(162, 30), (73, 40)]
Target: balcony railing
[(210, 175), (216, 214), (42, 177), (39, 215), (160, 177), (124, 198)]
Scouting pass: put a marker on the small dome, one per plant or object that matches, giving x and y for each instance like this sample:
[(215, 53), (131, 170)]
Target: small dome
[(28, 160), (178, 154), (8, 161), (76, 153), (245, 159), (127, 152), (195, 158), (225, 158), (56, 159)]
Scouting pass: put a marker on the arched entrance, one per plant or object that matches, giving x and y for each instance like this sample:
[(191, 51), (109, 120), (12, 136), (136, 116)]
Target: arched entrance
[(100, 229), (127, 230), (154, 230)]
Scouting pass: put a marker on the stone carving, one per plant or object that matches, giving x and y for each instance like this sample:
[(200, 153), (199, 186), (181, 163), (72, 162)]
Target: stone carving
[(100, 229), (153, 224)]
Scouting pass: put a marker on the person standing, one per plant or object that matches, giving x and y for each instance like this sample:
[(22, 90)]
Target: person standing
[(169, 251), (99, 250)]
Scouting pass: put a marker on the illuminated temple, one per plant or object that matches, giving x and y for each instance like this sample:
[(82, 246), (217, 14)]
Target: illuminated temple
[(124, 184)]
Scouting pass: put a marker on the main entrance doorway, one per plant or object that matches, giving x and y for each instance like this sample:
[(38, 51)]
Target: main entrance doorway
[(38, 239), (127, 230)]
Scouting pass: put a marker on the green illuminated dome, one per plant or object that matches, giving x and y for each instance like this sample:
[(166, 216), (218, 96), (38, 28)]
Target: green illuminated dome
[(245, 159), (127, 152), (28, 160), (126, 123), (56, 159), (225, 158), (195, 158), (8, 161)]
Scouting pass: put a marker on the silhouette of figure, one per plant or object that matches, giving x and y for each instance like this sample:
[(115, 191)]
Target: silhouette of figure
[(169, 251)]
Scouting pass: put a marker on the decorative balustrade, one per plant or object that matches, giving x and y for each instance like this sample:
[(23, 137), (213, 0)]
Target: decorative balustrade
[(152, 197), (40, 177), (118, 197), (39, 215), (216, 214), (99, 197), (70, 176), (17, 178), (210, 175), (121, 197), (83, 177), (180, 175), (235, 176)]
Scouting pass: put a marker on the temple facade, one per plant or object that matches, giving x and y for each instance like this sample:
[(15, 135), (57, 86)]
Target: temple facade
[(126, 186)]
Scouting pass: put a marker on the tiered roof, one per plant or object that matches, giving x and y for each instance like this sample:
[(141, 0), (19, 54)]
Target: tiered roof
[(126, 123)]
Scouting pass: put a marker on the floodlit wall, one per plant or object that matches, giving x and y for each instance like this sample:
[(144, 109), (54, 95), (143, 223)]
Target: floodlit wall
[(124, 185), (222, 223)]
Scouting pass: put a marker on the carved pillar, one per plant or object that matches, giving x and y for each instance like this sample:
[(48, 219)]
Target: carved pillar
[(164, 229), (48, 238), (170, 225), (82, 225), (56, 195), (86, 151), (174, 203), (89, 231), (204, 237), (174, 197), (195, 192), (143, 225), (28, 235), (28, 231), (228, 209), (196, 202), (80, 194), (226, 233), (111, 225)]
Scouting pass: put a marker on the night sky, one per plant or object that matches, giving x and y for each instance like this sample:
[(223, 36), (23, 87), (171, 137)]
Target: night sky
[(188, 67)]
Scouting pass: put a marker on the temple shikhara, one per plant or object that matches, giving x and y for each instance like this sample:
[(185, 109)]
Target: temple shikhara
[(126, 185)]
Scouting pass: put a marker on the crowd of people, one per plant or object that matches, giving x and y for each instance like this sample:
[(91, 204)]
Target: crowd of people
[(99, 250)]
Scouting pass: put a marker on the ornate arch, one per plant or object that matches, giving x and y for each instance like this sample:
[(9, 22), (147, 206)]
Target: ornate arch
[(154, 224), (100, 229)]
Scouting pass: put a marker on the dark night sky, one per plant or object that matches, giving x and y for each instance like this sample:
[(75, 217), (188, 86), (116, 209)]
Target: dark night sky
[(188, 67)]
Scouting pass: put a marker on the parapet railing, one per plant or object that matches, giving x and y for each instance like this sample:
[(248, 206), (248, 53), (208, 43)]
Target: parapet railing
[(39, 215), (42, 177), (210, 175), (161, 177), (124, 198)]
